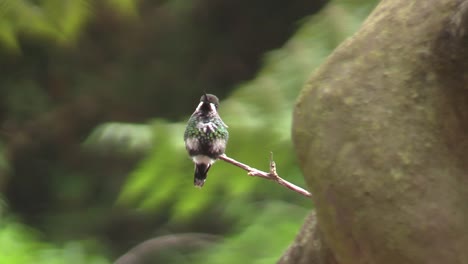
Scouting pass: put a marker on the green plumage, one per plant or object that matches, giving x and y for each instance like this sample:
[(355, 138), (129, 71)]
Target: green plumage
[(195, 129)]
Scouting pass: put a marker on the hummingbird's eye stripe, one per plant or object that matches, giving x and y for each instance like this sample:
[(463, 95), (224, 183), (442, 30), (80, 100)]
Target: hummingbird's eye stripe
[(199, 106), (213, 107)]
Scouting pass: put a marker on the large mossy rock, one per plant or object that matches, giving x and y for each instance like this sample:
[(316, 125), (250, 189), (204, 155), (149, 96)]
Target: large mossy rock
[(381, 132)]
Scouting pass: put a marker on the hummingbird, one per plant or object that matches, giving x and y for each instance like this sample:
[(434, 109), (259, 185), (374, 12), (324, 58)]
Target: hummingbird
[(205, 137)]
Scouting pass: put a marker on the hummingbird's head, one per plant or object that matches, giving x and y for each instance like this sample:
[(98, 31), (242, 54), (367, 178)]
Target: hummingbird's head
[(208, 103)]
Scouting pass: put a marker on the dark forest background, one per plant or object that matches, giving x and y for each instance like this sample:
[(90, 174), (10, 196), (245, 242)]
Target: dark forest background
[(94, 96)]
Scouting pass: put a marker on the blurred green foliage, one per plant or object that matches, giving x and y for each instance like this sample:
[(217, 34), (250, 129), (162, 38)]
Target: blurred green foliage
[(56, 20), (258, 114), (23, 245), (259, 218), (265, 231)]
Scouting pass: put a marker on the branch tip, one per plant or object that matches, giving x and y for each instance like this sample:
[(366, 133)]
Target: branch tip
[(272, 175)]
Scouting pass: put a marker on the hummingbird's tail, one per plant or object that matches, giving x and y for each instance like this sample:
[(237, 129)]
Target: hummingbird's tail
[(201, 169)]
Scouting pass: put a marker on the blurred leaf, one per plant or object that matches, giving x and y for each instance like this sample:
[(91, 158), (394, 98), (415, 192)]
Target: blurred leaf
[(8, 36), (125, 7), (266, 232), (69, 16), (20, 245), (121, 137), (59, 20)]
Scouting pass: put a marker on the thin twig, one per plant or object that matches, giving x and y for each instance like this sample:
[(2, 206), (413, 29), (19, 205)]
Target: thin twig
[(272, 175)]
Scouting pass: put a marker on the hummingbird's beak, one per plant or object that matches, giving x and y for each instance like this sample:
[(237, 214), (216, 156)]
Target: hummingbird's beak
[(206, 96)]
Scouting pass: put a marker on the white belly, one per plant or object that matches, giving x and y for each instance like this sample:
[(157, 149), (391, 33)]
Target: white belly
[(202, 159)]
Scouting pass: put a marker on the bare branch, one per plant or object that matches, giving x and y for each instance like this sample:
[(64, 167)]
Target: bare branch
[(272, 175)]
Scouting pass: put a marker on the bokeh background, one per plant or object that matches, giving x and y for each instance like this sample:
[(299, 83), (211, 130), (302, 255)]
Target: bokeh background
[(94, 97)]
